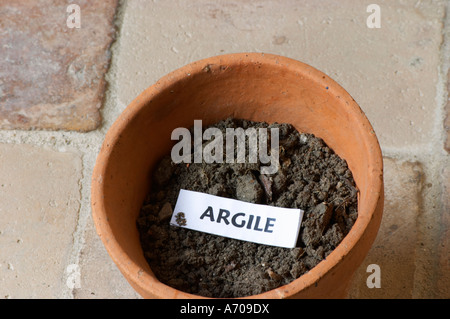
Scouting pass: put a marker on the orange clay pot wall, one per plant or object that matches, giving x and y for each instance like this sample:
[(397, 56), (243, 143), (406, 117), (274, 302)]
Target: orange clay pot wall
[(253, 86)]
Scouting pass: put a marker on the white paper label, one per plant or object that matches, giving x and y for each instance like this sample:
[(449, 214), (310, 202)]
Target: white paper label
[(262, 224)]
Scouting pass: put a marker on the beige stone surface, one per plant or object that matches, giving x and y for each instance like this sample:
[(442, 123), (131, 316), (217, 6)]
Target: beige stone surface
[(52, 76), (443, 280), (394, 249), (100, 278), (392, 72), (447, 118), (40, 199)]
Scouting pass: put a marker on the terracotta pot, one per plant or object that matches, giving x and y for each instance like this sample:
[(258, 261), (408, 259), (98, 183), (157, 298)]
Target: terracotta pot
[(254, 86)]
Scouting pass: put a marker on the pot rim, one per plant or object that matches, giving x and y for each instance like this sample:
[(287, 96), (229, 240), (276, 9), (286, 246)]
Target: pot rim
[(143, 279)]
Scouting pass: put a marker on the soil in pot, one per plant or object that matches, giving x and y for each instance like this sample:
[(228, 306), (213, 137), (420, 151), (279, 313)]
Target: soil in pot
[(310, 177)]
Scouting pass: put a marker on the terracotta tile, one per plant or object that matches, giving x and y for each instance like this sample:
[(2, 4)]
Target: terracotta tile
[(52, 76), (40, 200), (394, 249)]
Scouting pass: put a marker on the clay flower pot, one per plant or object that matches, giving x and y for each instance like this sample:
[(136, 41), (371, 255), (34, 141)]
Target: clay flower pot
[(253, 86)]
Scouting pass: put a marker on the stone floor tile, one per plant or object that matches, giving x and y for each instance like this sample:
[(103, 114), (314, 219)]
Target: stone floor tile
[(100, 278), (52, 76), (443, 282), (395, 246), (447, 128), (392, 72), (40, 199), (447, 118)]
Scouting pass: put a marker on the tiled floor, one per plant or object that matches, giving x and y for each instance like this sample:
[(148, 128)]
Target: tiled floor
[(61, 88), (52, 76)]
